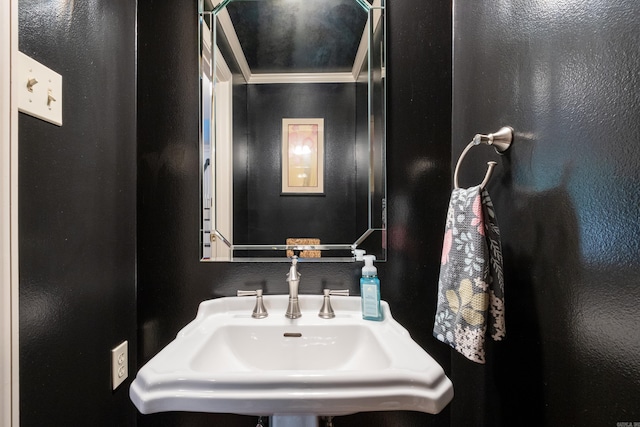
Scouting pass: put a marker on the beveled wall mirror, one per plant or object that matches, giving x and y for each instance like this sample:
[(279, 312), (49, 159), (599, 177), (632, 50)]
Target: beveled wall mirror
[(292, 129)]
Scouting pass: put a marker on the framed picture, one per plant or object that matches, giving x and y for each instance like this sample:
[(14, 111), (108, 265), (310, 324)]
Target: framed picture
[(303, 156)]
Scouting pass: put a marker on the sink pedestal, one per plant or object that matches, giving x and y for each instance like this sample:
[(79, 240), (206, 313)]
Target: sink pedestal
[(293, 421)]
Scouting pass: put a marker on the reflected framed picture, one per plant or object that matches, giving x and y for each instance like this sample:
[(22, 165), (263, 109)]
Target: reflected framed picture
[(303, 156)]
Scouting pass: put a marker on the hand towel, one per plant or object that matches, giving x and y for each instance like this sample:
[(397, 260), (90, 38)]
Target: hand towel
[(471, 282)]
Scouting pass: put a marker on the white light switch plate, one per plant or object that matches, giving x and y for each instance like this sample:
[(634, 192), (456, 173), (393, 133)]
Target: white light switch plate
[(42, 99), (119, 364)]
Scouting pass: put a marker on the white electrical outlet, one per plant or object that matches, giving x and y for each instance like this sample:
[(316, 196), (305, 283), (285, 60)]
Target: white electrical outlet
[(119, 365)]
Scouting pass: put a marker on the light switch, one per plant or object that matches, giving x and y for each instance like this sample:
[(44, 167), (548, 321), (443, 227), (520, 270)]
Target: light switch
[(39, 90)]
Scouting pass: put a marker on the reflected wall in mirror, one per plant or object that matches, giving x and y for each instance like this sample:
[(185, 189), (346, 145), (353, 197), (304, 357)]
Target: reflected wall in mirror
[(267, 61)]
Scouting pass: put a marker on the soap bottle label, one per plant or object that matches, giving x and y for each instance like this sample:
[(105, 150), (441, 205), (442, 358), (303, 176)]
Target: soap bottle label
[(370, 294), (370, 306)]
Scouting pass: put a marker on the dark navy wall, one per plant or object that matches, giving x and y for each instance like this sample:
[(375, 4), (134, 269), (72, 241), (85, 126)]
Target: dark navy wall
[(77, 216), (565, 76), (171, 280)]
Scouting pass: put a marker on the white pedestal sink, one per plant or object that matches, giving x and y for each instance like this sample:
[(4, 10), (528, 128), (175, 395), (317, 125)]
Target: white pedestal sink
[(224, 361)]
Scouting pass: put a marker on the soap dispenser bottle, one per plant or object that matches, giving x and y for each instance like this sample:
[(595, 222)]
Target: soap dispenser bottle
[(370, 290)]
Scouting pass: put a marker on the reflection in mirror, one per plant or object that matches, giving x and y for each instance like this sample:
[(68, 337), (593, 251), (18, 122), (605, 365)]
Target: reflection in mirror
[(292, 129)]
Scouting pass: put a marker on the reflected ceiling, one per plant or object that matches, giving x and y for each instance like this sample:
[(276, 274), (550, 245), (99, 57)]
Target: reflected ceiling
[(277, 36)]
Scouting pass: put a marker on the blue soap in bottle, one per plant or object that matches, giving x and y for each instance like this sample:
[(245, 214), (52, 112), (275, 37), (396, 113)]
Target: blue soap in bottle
[(370, 290)]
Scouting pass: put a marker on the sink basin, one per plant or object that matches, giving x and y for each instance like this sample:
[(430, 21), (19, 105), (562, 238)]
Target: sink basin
[(245, 348), (226, 361)]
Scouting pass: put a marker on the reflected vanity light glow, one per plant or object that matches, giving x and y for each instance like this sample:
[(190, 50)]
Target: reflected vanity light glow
[(303, 167)]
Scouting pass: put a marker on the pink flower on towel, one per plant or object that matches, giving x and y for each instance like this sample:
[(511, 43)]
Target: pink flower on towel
[(477, 211), (446, 246)]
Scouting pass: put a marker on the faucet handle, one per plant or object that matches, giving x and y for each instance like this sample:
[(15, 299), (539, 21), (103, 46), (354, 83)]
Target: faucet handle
[(257, 292), (339, 292), (259, 310), (326, 311)]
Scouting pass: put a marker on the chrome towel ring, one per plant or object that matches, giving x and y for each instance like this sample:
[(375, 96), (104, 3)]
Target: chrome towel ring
[(500, 140)]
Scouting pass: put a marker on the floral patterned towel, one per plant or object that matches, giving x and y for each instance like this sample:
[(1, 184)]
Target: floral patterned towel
[(471, 283)]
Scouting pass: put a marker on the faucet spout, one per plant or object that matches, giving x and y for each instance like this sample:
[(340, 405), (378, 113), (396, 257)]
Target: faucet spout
[(293, 277)]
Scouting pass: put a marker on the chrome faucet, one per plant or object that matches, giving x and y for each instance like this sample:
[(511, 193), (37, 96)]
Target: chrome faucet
[(293, 277)]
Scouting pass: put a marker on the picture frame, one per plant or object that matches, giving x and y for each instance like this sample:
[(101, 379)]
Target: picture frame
[(303, 156)]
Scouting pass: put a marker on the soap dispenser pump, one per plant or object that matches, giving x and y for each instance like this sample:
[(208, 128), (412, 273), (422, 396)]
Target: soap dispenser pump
[(370, 290)]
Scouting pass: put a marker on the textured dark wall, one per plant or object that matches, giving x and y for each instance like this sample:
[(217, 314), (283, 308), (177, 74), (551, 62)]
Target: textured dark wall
[(565, 76), (77, 213), (171, 280), (332, 213)]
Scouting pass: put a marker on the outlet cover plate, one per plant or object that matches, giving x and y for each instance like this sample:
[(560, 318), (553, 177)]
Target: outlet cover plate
[(119, 364), (39, 90)]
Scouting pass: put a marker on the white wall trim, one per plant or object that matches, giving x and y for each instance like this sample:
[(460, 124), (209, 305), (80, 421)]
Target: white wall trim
[(222, 71), (375, 13), (9, 415), (229, 30), (266, 78), (5, 214), (222, 171)]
